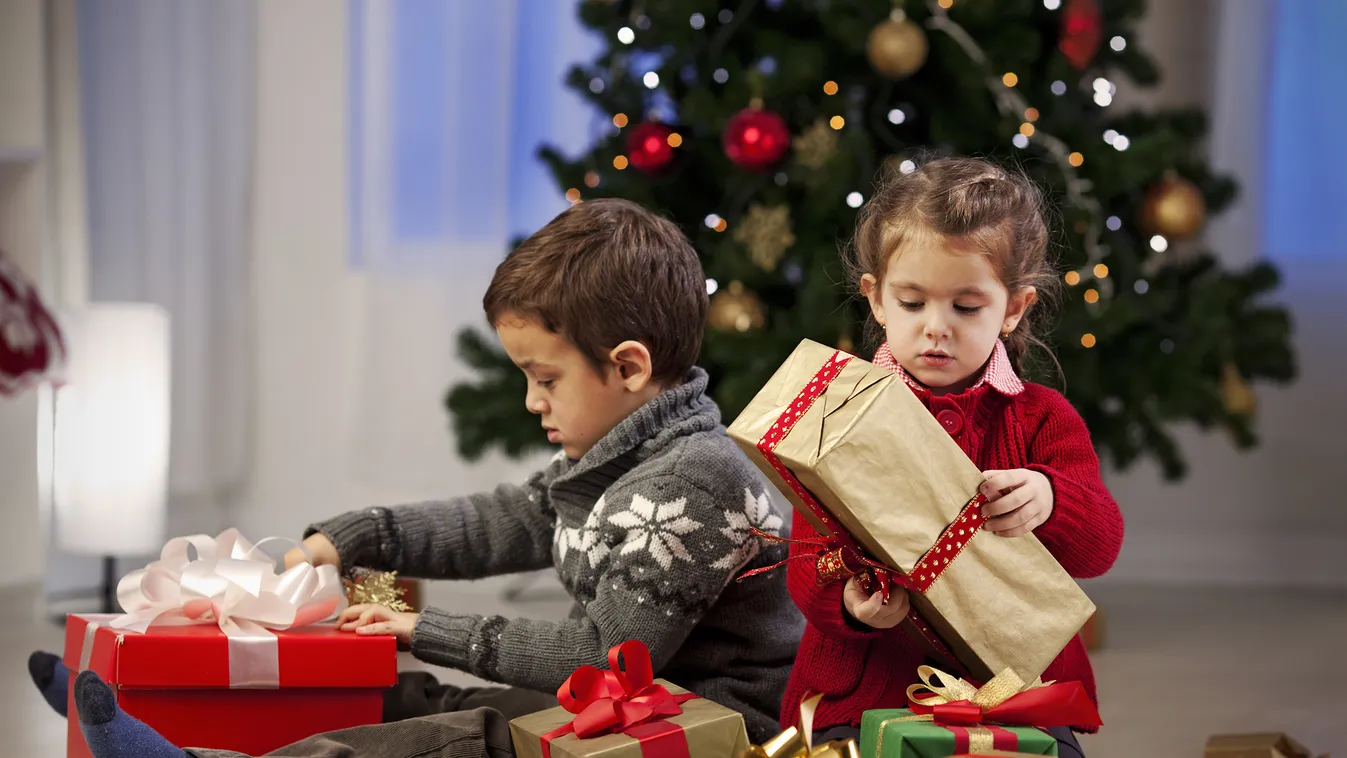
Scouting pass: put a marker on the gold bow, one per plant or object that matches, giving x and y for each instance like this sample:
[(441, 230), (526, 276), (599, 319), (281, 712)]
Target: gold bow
[(799, 742), (1001, 688)]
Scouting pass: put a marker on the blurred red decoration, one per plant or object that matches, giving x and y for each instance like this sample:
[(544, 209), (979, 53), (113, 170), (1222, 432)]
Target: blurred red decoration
[(1081, 33), (756, 139), (648, 147), (30, 339)]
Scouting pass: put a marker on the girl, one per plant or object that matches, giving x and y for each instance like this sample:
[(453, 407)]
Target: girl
[(952, 258)]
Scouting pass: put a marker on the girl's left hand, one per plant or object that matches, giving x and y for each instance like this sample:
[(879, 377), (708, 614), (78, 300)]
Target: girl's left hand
[(376, 619), (1018, 501)]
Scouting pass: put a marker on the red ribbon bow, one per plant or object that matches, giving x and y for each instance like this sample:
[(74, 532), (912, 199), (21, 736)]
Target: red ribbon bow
[(615, 700), (1059, 704)]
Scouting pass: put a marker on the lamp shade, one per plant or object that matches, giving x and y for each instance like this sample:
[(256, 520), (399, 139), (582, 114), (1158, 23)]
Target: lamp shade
[(111, 431)]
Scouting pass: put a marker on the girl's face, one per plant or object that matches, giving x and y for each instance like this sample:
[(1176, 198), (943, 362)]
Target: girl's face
[(942, 308)]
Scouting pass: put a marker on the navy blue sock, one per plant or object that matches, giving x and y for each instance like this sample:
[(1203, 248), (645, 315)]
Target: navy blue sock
[(111, 733), (51, 677)]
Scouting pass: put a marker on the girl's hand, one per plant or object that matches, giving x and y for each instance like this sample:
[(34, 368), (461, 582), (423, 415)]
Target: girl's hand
[(1018, 501), (872, 610), (376, 619)]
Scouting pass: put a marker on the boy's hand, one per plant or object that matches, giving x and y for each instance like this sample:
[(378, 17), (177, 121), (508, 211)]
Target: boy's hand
[(321, 553), (872, 610), (376, 619), (1018, 501)]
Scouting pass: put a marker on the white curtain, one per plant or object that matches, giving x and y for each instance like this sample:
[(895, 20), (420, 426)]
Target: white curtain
[(168, 96), (449, 103)]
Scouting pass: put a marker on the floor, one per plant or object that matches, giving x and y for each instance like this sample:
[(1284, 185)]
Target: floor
[(1177, 665)]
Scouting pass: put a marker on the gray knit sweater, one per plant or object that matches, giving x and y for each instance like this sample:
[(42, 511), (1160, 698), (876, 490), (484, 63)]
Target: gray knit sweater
[(647, 532)]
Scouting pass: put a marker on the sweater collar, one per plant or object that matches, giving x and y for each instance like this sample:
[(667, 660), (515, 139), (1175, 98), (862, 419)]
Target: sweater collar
[(998, 373)]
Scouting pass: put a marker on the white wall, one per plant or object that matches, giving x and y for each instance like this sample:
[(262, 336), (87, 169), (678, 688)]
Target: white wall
[(1269, 516), (350, 369)]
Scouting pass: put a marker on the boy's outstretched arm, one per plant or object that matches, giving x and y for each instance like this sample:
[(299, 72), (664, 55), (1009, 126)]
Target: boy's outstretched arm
[(654, 564), (503, 531)]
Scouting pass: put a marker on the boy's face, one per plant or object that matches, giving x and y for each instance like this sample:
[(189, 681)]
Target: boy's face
[(577, 404)]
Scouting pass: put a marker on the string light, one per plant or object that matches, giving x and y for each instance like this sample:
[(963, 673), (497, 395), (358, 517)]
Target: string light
[(591, 179), (1087, 340), (1141, 286), (596, 85), (1075, 159), (1103, 99), (1020, 141), (1121, 142), (651, 80), (1118, 44), (620, 120), (907, 167), (781, 178), (1166, 346), (1110, 135), (897, 116), (711, 286), (625, 35), (1059, 87), (1052, 5), (1114, 223), (721, 225), (573, 195), (1027, 129), (711, 220), (1030, 114), (1100, 271), (830, 88), (725, 16), (697, 21), (1010, 80), (1159, 244), (721, 76), (946, 4), (1091, 296), (837, 122), (855, 200), (620, 162), (1072, 278)]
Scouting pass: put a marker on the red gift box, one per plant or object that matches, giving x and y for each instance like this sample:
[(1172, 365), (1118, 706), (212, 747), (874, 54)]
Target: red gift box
[(199, 688)]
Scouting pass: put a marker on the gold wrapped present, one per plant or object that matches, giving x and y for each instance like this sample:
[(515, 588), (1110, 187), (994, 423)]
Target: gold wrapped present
[(862, 459), (1269, 745), (626, 713)]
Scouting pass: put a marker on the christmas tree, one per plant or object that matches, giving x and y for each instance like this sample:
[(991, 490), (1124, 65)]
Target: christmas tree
[(760, 127)]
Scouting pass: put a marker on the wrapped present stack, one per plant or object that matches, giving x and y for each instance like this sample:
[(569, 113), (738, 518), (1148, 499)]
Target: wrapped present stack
[(862, 459), (625, 712), (224, 634)]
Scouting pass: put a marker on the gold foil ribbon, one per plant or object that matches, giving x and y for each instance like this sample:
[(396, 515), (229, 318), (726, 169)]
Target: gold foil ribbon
[(798, 742), (952, 689)]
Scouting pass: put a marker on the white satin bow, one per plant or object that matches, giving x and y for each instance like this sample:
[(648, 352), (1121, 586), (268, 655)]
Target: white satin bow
[(231, 583)]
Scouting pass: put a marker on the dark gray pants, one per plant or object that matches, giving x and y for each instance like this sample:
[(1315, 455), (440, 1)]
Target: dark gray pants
[(424, 719)]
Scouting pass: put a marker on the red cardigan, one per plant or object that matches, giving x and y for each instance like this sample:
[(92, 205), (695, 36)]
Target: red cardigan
[(859, 668)]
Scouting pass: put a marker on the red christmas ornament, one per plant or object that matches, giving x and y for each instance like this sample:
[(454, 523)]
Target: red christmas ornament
[(756, 139), (648, 147), (30, 341), (1081, 33)]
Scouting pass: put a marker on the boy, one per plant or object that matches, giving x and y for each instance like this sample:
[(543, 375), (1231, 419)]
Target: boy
[(645, 512)]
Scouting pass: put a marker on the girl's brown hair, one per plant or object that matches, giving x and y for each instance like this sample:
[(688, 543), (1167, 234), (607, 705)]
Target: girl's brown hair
[(1000, 212)]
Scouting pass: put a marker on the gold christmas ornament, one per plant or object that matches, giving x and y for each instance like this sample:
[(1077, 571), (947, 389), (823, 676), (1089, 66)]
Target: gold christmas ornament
[(897, 47), (736, 309), (816, 146), (1237, 396), (377, 588), (1173, 208), (766, 233)]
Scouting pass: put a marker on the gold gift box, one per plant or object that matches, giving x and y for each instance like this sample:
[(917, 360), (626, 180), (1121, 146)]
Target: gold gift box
[(884, 468), (1269, 745), (712, 731)]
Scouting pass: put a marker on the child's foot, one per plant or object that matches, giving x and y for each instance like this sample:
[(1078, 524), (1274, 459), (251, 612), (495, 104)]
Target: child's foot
[(111, 733), (51, 677)]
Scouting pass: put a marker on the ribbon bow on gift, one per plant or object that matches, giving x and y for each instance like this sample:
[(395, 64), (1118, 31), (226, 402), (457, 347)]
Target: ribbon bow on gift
[(1003, 700), (798, 742), (617, 699)]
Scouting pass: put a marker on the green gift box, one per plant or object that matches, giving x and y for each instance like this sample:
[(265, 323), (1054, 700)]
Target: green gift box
[(899, 733)]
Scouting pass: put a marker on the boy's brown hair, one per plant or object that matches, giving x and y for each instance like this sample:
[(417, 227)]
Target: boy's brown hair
[(605, 271)]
